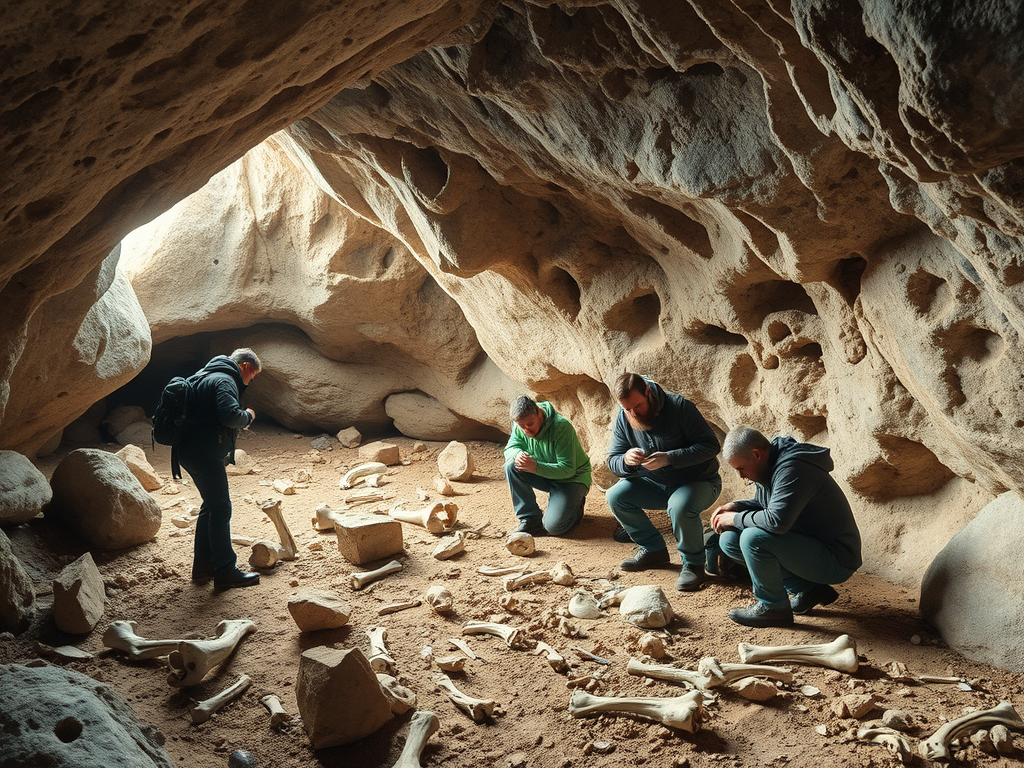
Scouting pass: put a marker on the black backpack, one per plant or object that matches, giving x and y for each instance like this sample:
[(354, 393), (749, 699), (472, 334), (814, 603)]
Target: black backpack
[(171, 415)]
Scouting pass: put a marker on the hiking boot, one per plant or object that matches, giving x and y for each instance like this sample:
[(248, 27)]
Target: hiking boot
[(621, 535), (201, 572), (819, 594), (235, 578), (532, 526), (691, 577), (760, 615), (643, 559)]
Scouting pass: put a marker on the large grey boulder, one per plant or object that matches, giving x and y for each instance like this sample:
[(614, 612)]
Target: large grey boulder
[(64, 719), (23, 489), (425, 418), (16, 592), (97, 497), (973, 589)]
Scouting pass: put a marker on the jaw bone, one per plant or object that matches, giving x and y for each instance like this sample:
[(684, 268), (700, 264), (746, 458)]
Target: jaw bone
[(121, 636), (478, 709), (936, 747), (194, 658), (710, 673), (684, 712), (840, 654), (204, 710), (422, 726)]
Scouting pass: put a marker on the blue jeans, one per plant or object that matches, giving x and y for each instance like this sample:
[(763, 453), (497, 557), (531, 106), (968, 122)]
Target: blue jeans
[(565, 500), (213, 526), (782, 562), (629, 497)]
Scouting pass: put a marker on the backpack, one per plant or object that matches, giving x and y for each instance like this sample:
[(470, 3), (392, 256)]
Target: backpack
[(171, 415)]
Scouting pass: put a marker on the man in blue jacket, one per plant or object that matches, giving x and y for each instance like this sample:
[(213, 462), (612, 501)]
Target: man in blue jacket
[(798, 534), (215, 415), (664, 451), (544, 453)]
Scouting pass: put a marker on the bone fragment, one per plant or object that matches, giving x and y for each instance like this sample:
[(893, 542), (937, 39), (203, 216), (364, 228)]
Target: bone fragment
[(684, 712), (422, 726), (505, 632), (356, 473), (936, 747), (478, 709), (1001, 739), (584, 606), (427, 517), (840, 654), (324, 517), (399, 697), (360, 579), (710, 673), (184, 521), (521, 544), (277, 714), (379, 658), (463, 646), (889, 738), (940, 679), (612, 597), (272, 509), (442, 486), (439, 599), (450, 547), (651, 644), (512, 583), (120, 635), (396, 607), (375, 480), (488, 570), (453, 663), (756, 689), (267, 554), (243, 541), (204, 710), (554, 658), (194, 658), (363, 497), (562, 575), (589, 655)]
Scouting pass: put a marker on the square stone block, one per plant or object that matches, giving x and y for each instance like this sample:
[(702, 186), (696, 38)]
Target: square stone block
[(363, 537)]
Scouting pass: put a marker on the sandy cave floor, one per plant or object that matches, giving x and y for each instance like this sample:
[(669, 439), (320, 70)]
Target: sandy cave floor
[(150, 585)]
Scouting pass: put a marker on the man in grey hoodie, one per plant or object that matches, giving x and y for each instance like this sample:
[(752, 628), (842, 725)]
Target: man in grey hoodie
[(797, 536)]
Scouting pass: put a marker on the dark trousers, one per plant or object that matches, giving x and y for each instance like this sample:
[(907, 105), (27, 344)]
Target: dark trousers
[(213, 528)]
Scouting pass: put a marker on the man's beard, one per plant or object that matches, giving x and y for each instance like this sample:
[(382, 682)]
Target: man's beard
[(648, 421)]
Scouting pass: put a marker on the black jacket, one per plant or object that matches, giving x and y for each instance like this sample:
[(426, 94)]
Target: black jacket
[(215, 412)]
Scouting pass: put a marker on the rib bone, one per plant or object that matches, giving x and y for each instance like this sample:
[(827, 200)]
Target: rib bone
[(120, 635), (360, 579), (554, 658), (478, 709), (710, 673), (277, 714), (889, 738), (422, 726), (204, 710), (505, 632), (353, 475), (380, 659), (684, 712), (194, 658), (512, 583), (840, 654), (936, 747)]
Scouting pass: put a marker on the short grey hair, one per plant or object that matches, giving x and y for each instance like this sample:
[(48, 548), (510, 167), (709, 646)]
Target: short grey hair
[(246, 355), (522, 407), (742, 440)]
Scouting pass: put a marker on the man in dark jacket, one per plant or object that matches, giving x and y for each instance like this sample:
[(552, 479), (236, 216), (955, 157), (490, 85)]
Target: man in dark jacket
[(797, 535), (215, 415), (664, 451)]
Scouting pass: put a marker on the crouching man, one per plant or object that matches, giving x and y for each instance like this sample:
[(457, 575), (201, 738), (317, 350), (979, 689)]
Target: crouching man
[(543, 453), (798, 534)]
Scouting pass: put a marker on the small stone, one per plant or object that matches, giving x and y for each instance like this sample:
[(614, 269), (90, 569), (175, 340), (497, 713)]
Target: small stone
[(915, 639), (756, 689), (810, 691), (241, 758), (517, 760), (350, 437), (418, 447), (896, 718), (322, 443), (284, 487)]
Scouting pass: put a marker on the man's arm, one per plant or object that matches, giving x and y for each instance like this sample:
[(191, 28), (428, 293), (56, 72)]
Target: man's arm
[(701, 442), (564, 444), (515, 444), (229, 411), (792, 488), (621, 443)]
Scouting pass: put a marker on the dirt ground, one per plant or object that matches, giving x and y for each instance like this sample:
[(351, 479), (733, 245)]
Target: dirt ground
[(150, 585)]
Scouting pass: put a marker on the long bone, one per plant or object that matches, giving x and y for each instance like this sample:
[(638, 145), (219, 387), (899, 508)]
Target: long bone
[(194, 658), (267, 554), (380, 658), (478, 709), (505, 632), (936, 747), (436, 518), (272, 509), (360, 579), (684, 712), (353, 475), (840, 654), (889, 738), (204, 710), (710, 673), (554, 658), (491, 570), (278, 716), (120, 635), (513, 582), (422, 726), (324, 518)]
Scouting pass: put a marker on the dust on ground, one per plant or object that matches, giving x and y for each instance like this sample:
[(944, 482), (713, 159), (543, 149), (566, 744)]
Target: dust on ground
[(150, 585)]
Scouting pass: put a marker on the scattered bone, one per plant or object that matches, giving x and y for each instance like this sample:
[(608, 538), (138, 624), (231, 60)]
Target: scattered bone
[(284, 487), (450, 547), (314, 609), (396, 607), (360, 579), (422, 726), (505, 632), (324, 518), (684, 712), (589, 655), (710, 673), (587, 682), (436, 517), (278, 716), (892, 740), (243, 541), (184, 521), (567, 628), (1001, 739), (855, 705), (936, 747), (488, 570), (272, 509), (400, 697), (554, 658), (267, 554), (194, 658), (583, 605), (512, 583), (840, 654), (380, 658), (354, 475), (562, 575), (810, 691), (363, 497), (611, 597), (453, 663), (463, 646), (520, 544), (897, 670), (478, 709), (120, 635), (442, 486), (756, 689), (650, 644), (439, 599), (374, 481), (940, 679), (646, 606), (204, 710)]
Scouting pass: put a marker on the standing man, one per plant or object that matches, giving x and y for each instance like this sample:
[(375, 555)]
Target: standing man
[(215, 415), (664, 451), (544, 453), (797, 535)]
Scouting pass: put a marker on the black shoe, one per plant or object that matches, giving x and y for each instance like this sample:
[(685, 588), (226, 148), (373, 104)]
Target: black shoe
[(235, 578), (760, 615), (201, 573), (643, 559), (532, 526), (691, 577), (819, 594), (621, 535)]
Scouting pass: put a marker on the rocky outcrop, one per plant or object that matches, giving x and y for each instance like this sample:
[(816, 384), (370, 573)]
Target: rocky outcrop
[(24, 490), (17, 595)]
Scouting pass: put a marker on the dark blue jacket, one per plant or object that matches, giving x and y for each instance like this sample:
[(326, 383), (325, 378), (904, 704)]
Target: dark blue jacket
[(215, 412)]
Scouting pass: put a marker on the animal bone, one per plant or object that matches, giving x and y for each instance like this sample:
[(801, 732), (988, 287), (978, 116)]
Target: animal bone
[(324, 518), (936, 747), (399, 697), (353, 475), (267, 554), (194, 658), (442, 486), (562, 575), (272, 509), (889, 738), (521, 544), (584, 606), (396, 607), (710, 673), (363, 497), (440, 599), (478, 709), (840, 654), (120, 635), (588, 655), (488, 570), (379, 658), (204, 710), (554, 658), (453, 663), (463, 646), (427, 517), (360, 579), (277, 714), (450, 547), (684, 712), (612, 597), (422, 726), (505, 632), (512, 583)]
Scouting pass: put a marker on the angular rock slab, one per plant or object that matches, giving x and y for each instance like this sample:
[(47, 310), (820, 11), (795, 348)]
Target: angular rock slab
[(64, 719), (17, 595), (78, 596), (23, 489), (135, 458), (364, 537), (385, 453), (314, 609), (646, 606)]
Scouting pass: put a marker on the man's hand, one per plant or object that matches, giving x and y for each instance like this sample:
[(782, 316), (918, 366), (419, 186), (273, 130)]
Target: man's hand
[(252, 417), (655, 461), (723, 517), (524, 462), (634, 457)]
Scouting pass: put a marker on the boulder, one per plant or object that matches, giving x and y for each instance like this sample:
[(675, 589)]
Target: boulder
[(423, 417), (98, 499), (646, 606), (136, 433), (17, 595), (136, 461), (455, 462), (122, 417), (365, 537), (23, 489), (78, 596), (314, 609)]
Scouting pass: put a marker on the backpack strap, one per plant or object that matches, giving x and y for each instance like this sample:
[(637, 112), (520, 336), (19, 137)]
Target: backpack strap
[(175, 466)]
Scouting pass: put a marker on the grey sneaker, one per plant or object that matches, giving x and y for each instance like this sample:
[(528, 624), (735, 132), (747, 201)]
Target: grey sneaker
[(643, 559), (760, 615), (692, 577)]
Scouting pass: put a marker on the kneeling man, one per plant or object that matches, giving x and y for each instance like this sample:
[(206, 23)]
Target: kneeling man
[(544, 453), (797, 535)]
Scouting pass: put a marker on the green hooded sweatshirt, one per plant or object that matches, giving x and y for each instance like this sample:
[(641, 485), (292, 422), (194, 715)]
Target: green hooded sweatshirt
[(556, 449)]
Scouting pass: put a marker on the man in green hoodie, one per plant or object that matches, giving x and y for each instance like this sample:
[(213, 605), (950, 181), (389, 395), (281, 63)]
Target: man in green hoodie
[(544, 453)]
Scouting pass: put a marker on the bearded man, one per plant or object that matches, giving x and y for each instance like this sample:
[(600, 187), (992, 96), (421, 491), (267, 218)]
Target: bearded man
[(664, 451)]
